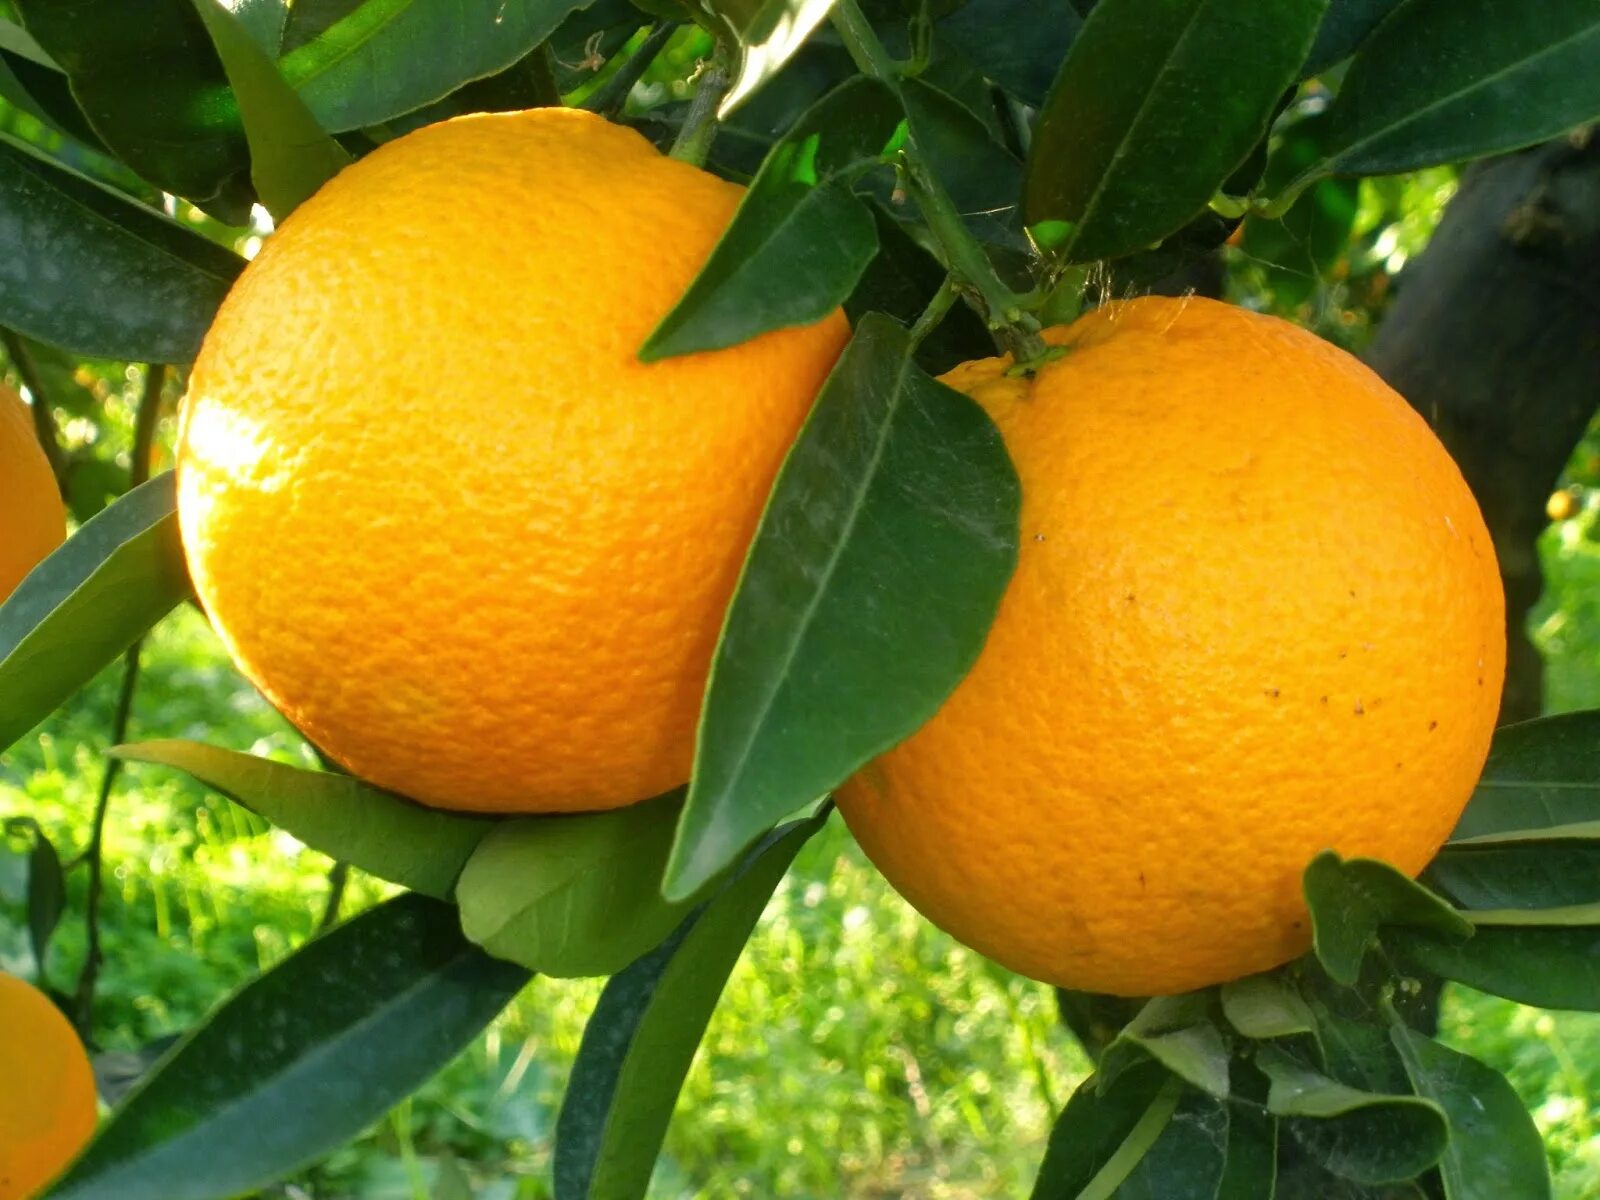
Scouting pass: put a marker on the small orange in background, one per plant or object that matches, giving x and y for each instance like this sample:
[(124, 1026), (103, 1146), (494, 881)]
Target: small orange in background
[(33, 521), (1256, 615), (47, 1094)]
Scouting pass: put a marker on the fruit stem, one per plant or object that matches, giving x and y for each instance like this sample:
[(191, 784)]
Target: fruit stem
[(699, 128)]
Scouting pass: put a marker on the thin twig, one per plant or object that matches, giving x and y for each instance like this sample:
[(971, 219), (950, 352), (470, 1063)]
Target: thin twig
[(338, 877), (44, 422), (610, 97), (699, 128)]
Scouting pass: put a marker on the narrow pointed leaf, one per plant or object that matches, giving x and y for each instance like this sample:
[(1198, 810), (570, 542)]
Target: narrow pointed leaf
[(1188, 1160), (1266, 1006), (1158, 101), (1546, 967), (767, 33), (14, 39), (869, 589), (1495, 1151), (1572, 914), (299, 1061), (1351, 899), (1344, 27), (799, 222), (290, 155), (1527, 873), (1176, 1031), (1103, 1132), (349, 820), (1019, 44), (98, 274), (573, 895), (1539, 774), (87, 603), (644, 1031)]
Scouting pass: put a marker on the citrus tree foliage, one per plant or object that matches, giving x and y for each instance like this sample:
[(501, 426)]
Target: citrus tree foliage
[(951, 173)]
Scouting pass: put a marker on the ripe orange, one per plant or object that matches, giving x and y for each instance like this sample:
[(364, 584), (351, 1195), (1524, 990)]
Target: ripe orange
[(47, 1101), (1256, 615), (32, 520), (437, 509)]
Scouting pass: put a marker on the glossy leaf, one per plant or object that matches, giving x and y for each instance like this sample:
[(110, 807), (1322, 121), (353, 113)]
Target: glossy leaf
[(87, 603), (1364, 1136), (982, 177), (151, 85), (290, 155), (1344, 27), (573, 895), (767, 33), (96, 273), (1495, 77), (855, 617), (1351, 899), (347, 819), (1546, 967), (799, 222), (644, 1031), (1266, 1006), (1176, 1031), (1103, 1132), (1539, 774), (1157, 103), (1495, 1151), (300, 1060), (1188, 1159), (1535, 872), (1020, 44)]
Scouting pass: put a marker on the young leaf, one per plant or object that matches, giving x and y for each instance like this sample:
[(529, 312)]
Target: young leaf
[(1545, 967), (1540, 773), (854, 618), (1495, 1151), (1176, 1031), (290, 155), (1017, 43), (1266, 1006), (1365, 1136), (644, 1031), (1495, 77), (349, 820), (90, 270), (1103, 1132), (300, 1060), (1188, 1159), (767, 33), (1157, 103), (573, 895), (87, 603), (799, 222), (1351, 899), (1345, 26)]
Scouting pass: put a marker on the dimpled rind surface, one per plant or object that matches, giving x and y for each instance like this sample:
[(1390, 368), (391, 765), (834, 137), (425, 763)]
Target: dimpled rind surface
[(437, 509), (47, 1101), (1257, 615), (32, 519)]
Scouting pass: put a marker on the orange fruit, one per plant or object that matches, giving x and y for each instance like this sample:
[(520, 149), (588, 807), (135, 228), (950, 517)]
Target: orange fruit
[(47, 1100), (435, 506), (1256, 615), (32, 519)]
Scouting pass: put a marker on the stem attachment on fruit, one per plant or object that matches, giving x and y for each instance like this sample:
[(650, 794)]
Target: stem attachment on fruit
[(699, 128)]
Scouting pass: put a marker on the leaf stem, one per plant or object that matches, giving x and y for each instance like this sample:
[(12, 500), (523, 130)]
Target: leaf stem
[(44, 423), (699, 129), (612, 95), (936, 310)]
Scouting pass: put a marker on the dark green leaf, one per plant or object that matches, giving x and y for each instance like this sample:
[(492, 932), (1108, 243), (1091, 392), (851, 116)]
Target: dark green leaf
[(349, 820), (1533, 873), (868, 592), (1266, 1006), (982, 177), (96, 273), (1250, 1171), (767, 33), (87, 603), (1187, 1160), (1346, 25), (43, 890), (300, 1060), (1495, 1151), (1351, 899), (1157, 103), (43, 92), (573, 895), (1364, 1136), (290, 155), (1102, 1133), (800, 223), (643, 1033), (1494, 77), (265, 21), (152, 87), (1017, 43), (1550, 967), (1176, 1031), (1539, 774)]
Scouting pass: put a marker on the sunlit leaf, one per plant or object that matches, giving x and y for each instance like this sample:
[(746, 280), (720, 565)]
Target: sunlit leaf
[(767, 33)]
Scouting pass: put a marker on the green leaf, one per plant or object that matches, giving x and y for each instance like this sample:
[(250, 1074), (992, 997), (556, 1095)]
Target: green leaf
[(14, 39), (1157, 103), (1572, 914), (981, 175), (1250, 1169), (800, 222), (91, 271), (1103, 1132), (1546, 967), (767, 33), (1534, 871), (1299, 248), (387, 57), (345, 818), (1178, 1032), (290, 155), (856, 617), (43, 92), (1364, 1136), (1494, 77), (45, 895), (1188, 1159), (573, 895), (1019, 44), (300, 1060), (1351, 899), (87, 603), (1495, 1151), (644, 1031), (151, 85), (1539, 774), (1346, 25), (1266, 1006)]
